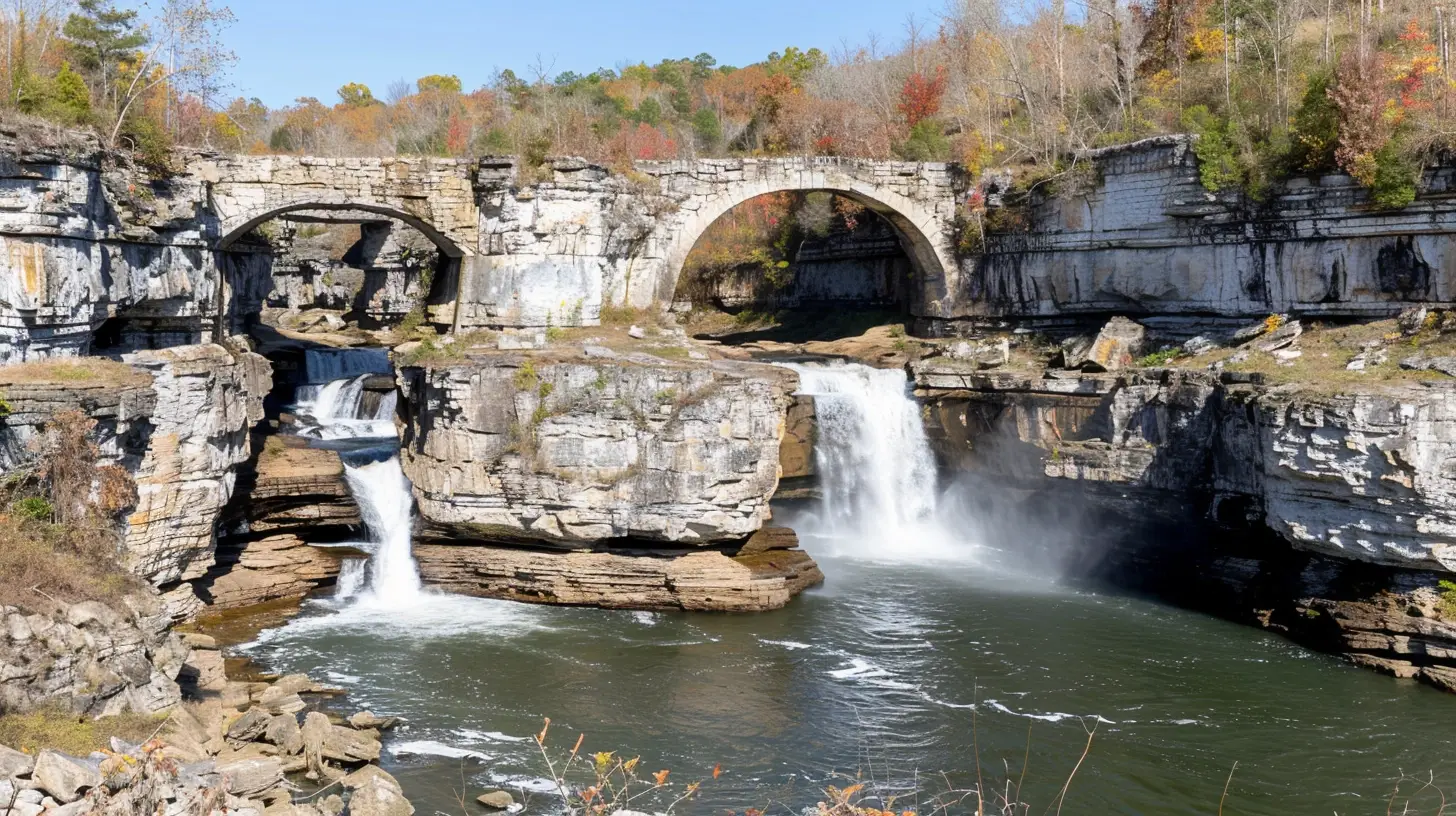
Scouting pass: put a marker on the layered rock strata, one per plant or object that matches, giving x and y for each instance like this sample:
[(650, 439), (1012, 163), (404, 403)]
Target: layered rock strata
[(97, 659), (1326, 515), (576, 450), (177, 420), (290, 498), (765, 573)]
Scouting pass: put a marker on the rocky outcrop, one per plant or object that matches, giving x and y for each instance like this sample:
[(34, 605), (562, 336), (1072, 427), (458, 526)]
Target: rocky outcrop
[(207, 401), (225, 754), (97, 659), (289, 498), (1328, 516), (766, 573), (513, 447), (177, 420), (1359, 476)]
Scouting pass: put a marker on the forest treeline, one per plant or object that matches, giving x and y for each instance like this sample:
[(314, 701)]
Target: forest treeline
[(1272, 87)]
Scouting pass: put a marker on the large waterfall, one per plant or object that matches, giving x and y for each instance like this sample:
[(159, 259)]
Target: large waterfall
[(335, 412), (876, 469)]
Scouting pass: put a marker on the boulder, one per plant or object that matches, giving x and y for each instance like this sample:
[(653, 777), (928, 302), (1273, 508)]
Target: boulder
[(496, 799), (1073, 352), (249, 777), (1281, 338), (993, 354), (283, 731), (349, 746), (1420, 362), (197, 640), (366, 774), (250, 726), (13, 763), (367, 719), (377, 797), (1116, 347), (65, 777)]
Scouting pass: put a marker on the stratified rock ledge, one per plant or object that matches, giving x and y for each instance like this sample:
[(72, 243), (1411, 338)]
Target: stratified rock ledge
[(766, 573)]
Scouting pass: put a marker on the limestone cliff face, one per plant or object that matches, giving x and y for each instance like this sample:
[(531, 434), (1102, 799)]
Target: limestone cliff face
[(178, 422), (1366, 476), (530, 448), (83, 238), (207, 400), (99, 659)]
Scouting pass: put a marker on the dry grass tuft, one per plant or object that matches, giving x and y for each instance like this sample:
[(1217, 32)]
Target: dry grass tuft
[(60, 729), (84, 370), (59, 521)]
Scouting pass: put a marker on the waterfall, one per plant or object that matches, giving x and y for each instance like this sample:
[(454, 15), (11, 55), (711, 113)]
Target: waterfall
[(327, 365), (331, 409), (386, 507), (876, 470)]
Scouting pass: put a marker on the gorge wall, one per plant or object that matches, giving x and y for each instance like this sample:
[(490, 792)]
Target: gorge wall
[(532, 464)]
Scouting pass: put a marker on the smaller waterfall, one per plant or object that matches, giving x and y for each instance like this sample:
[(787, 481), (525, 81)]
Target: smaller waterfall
[(352, 574), (876, 469), (332, 409), (327, 365), (335, 410)]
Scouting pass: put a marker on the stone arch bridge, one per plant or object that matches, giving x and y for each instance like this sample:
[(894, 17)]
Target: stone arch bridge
[(557, 251)]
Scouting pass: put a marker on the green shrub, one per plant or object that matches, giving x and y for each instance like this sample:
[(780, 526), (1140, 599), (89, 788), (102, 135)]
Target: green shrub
[(1218, 166), (1159, 358), (526, 377), (1316, 128), (1397, 174), (1448, 599), (927, 142), (34, 507), (151, 143)]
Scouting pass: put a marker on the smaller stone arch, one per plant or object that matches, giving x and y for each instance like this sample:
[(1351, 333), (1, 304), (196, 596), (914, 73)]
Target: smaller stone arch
[(441, 303), (238, 227)]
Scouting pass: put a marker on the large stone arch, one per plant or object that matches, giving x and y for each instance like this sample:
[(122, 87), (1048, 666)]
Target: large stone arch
[(918, 200)]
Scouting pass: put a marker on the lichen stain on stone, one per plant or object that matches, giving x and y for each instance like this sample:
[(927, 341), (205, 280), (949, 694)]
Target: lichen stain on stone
[(29, 259)]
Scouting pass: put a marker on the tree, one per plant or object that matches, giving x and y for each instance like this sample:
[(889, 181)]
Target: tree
[(356, 95), (187, 57), (707, 129), (920, 97), (439, 83), (100, 36)]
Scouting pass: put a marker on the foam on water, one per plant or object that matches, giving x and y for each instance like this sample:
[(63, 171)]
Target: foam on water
[(433, 748)]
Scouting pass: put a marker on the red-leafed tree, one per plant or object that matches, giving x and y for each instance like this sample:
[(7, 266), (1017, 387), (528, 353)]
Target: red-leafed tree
[(921, 96)]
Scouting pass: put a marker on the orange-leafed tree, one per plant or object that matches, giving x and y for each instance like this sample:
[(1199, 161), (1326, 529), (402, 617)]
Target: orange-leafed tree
[(921, 95)]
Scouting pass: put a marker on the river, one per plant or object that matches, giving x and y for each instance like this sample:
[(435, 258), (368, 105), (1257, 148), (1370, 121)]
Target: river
[(921, 652)]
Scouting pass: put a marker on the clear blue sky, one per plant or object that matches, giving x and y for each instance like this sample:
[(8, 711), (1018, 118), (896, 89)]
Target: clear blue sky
[(292, 48)]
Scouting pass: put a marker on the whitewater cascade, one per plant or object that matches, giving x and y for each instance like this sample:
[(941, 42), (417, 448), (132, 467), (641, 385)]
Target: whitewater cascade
[(876, 469), (335, 410)]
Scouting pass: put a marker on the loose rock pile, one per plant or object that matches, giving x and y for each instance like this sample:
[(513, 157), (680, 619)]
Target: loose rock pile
[(230, 754)]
